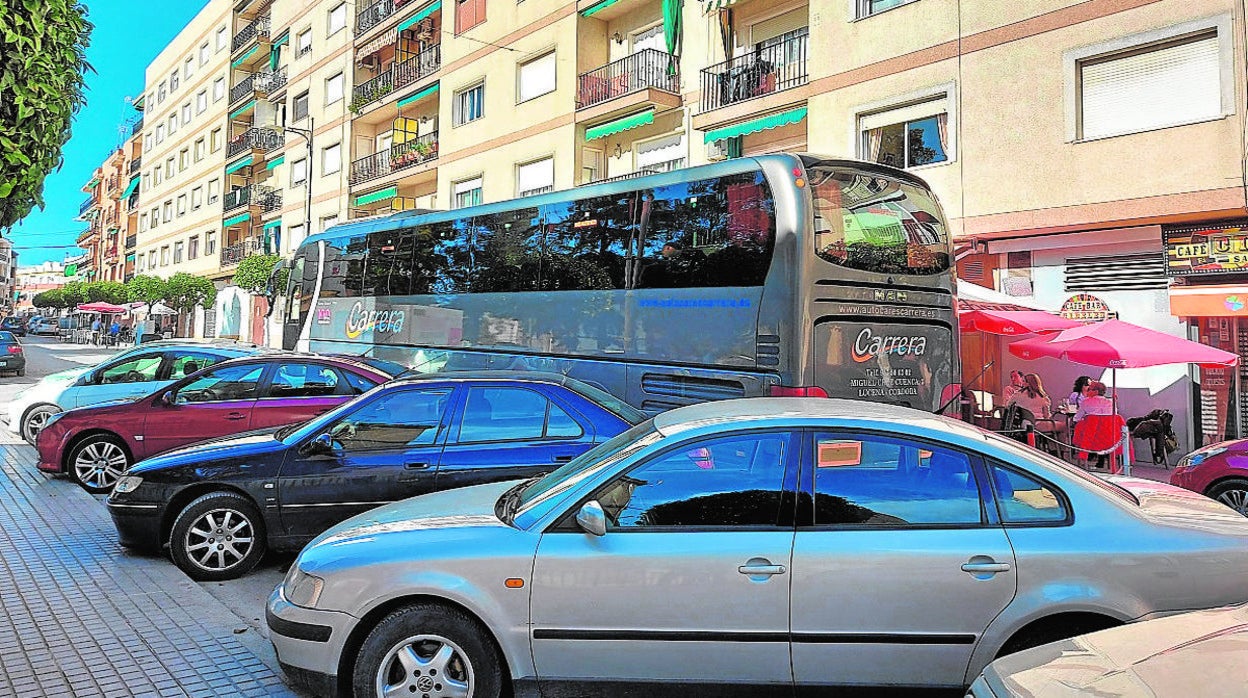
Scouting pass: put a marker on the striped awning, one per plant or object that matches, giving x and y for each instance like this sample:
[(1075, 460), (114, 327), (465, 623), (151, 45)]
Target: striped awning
[(243, 109), (424, 12), (376, 196), (236, 166), (612, 127), (709, 6), (235, 220), (597, 7), (386, 38), (783, 118), (418, 96), (243, 58), (134, 184), (275, 162)]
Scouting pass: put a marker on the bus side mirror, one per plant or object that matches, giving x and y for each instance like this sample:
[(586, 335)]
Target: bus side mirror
[(592, 519)]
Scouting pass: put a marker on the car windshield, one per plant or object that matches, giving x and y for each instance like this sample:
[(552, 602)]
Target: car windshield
[(1028, 453), (604, 454), (8, 338), (298, 432)]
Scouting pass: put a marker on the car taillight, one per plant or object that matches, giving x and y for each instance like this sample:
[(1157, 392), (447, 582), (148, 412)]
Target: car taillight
[(14, 349), (798, 391)]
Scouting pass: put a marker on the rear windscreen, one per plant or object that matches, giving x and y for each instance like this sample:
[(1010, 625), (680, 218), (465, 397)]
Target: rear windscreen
[(871, 222), (884, 362)]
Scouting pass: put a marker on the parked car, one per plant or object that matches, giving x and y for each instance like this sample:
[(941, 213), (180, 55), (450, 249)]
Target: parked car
[(1219, 471), (46, 326), (12, 357), (763, 542), (94, 445), (130, 374), (31, 322), (1190, 655), (410, 436), (14, 325)]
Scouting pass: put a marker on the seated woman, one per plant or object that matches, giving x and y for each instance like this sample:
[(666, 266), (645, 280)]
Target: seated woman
[(1094, 401), (1076, 394), (1033, 398)]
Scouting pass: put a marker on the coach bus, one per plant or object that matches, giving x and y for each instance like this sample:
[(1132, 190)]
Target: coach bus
[(782, 274)]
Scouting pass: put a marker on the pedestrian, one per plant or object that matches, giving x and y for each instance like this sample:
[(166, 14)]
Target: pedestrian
[(96, 326), (114, 330)]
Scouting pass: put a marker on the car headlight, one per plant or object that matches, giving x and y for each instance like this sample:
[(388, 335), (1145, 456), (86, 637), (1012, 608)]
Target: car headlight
[(1197, 457), (127, 483), (301, 588)]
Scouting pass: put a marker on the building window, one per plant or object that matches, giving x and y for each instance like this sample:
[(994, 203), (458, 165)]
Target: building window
[(218, 89), (160, 133), (177, 251), (300, 107), (1169, 83), (204, 52), (168, 216), (298, 172), (223, 38), (535, 177), (536, 78), (661, 154), (169, 168), (142, 222), (201, 149), (331, 159), (182, 205), (188, 68), (468, 14), (155, 217), (214, 191), (338, 19), (296, 234), (214, 140), (192, 248), (210, 243), (201, 102), (184, 159), (173, 81), (164, 256), (333, 89), (468, 192), (173, 123), (469, 105), (186, 113), (866, 8), (303, 42), (147, 181), (329, 221), (197, 197), (161, 91), (909, 136)]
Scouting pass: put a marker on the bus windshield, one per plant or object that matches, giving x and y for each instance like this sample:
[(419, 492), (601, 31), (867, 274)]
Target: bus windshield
[(870, 222)]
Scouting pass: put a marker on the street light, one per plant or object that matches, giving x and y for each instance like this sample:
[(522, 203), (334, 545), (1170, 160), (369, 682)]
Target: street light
[(306, 135)]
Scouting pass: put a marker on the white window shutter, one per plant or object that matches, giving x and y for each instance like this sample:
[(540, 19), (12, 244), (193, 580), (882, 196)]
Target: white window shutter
[(537, 77), (914, 112), (661, 150), (536, 176), (778, 26)]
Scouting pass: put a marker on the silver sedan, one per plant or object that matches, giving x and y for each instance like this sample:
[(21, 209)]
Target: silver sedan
[(746, 544)]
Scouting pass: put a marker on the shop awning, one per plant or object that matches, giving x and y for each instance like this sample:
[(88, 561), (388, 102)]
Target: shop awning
[(236, 166), (597, 7), (273, 224), (612, 127), (424, 12), (376, 196), (386, 38), (275, 162), (1230, 300), (235, 220), (134, 184), (243, 109), (783, 118), (243, 58), (418, 96)]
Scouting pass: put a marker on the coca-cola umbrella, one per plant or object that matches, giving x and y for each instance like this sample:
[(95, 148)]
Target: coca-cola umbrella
[(1012, 323), (101, 307)]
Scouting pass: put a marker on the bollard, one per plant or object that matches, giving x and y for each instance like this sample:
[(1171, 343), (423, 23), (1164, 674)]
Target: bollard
[(1126, 451), (1031, 435)]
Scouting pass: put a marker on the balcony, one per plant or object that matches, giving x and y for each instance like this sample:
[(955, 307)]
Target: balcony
[(132, 204), (136, 128), (132, 241), (245, 196), (646, 69), (110, 187), (398, 76), (263, 139), (136, 165), (764, 72), (374, 14), (86, 206), (258, 85), (231, 255), (270, 200), (400, 156), (260, 27)]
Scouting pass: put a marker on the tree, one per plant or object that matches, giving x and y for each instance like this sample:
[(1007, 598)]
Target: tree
[(185, 292), (253, 273), (42, 67), (75, 292), (106, 292), (146, 289), (52, 298)]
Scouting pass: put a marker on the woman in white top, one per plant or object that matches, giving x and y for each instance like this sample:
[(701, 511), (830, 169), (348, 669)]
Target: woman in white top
[(1076, 394), (1034, 399), (1094, 401)]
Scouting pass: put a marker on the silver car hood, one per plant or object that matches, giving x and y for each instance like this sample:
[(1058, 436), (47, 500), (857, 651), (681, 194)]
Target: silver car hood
[(1185, 656)]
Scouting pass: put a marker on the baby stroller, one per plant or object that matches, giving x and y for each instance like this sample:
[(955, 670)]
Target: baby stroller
[(1156, 430)]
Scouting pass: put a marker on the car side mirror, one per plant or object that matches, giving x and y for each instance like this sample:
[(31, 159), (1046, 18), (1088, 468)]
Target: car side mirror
[(322, 445), (166, 399), (592, 519)]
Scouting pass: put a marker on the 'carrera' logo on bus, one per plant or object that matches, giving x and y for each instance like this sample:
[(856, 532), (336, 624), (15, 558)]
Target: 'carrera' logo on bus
[(360, 320), (868, 346)]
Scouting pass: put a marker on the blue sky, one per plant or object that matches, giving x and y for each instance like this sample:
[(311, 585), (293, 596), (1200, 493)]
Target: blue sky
[(127, 37)]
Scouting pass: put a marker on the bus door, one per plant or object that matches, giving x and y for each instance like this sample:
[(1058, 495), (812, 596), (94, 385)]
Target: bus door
[(301, 288)]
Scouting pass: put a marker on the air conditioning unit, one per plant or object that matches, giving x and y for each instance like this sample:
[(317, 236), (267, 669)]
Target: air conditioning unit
[(371, 62), (716, 151)]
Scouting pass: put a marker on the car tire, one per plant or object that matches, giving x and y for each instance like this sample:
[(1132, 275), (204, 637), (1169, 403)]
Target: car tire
[(21, 372), (218, 536), (448, 652), (34, 421), (97, 462), (1233, 493)]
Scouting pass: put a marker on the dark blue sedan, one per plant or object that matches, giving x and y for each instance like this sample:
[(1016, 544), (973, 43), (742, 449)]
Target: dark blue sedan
[(220, 504)]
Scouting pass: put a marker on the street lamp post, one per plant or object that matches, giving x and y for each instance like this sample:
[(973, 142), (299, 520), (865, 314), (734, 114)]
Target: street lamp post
[(306, 135)]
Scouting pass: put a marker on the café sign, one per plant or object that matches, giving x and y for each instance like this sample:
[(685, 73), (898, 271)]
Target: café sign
[(1204, 250), (1086, 308)]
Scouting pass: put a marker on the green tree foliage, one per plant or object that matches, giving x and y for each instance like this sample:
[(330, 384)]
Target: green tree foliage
[(146, 289), (74, 292), (253, 273), (52, 298), (106, 292), (185, 292), (42, 66)]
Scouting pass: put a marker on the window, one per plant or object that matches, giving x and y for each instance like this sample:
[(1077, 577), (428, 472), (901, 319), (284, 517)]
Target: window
[(661, 154), (185, 363), (223, 39), (168, 211), (331, 159), (148, 141), (210, 243), (201, 102), (201, 149), (513, 414), (304, 380), (300, 106), (214, 190), (468, 193), (296, 234), (395, 420), (329, 221), (169, 168), (192, 248), (143, 222), (535, 177), (164, 256), (182, 205), (226, 383), (536, 78), (469, 105), (161, 91), (214, 140), (1023, 499), (184, 159), (591, 165), (186, 113), (884, 481), (731, 480), (337, 19), (188, 68), (908, 136), (298, 172), (218, 89), (147, 181), (1166, 84), (173, 123), (303, 42), (173, 81), (870, 7), (468, 14), (197, 197), (177, 251), (204, 53), (160, 133), (136, 370), (155, 216), (333, 89)]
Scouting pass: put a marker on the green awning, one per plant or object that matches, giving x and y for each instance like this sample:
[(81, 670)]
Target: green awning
[(633, 121), (275, 53), (783, 118), (243, 109), (130, 257), (275, 162), (425, 12), (377, 196), (273, 224), (243, 58), (134, 184), (597, 7), (235, 167), (418, 96), (94, 181), (235, 220), (283, 39)]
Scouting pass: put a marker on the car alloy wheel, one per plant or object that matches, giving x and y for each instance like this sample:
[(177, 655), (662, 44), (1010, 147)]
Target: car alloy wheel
[(97, 463), (428, 650), (1234, 494), (428, 665), (218, 536), (35, 420)]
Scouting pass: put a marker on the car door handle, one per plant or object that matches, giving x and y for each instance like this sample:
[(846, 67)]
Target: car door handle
[(983, 565), (760, 568), (416, 465), (235, 416), (563, 459)]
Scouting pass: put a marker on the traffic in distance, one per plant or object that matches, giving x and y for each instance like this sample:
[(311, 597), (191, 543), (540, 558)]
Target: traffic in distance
[(580, 444)]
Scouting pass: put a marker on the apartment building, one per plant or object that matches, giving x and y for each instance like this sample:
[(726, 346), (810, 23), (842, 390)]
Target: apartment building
[(8, 275), (35, 279)]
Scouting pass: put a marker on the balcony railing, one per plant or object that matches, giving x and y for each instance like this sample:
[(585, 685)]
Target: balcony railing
[(265, 139), (648, 68), (235, 199), (397, 157), (231, 255), (86, 205), (133, 202), (260, 27), (270, 200), (136, 165), (763, 72), (399, 75), (132, 241), (136, 128), (258, 82), (111, 185), (373, 14), (271, 82)]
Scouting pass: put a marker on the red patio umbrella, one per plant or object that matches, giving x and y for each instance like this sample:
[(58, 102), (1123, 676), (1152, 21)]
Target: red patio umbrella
[(1116, 344), (101, 307), (1013, 322)]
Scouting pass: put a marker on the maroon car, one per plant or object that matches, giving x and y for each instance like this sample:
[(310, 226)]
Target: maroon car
[(1219, 471), (95, 445)]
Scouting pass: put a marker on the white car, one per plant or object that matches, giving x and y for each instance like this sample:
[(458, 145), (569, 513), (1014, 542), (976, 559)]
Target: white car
[(130, 374)]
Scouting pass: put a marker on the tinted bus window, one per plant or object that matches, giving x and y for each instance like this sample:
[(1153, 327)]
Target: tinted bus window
[(596, 237), (870, 222), (507, 252)]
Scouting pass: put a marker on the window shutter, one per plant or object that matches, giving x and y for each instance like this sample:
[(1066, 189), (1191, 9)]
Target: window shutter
[(467, 186), (914, 112), (1137, 272), (661, 150), (778, 26), (537, 77), (536, 176), (1173, 84)]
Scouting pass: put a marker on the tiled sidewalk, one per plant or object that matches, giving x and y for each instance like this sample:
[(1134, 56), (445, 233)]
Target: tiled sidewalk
[(79, 616)]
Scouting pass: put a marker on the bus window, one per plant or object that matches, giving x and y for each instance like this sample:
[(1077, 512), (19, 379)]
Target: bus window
[(390, 255), (595, 236), (294, 296), (507, 249)]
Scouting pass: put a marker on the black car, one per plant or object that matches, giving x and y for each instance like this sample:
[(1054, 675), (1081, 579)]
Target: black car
[(12, 356), (14, 325), (219, 504)]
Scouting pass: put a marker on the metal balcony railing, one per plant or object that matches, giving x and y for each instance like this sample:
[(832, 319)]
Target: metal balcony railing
[(132, 241), (271, 82), (136, 128), (231, 255), (135, 165), (373, 14), (270, 200), (397, 157), (260, 27), (236, 199), (648, 68), (765, 71), (111, 185), (133, 202), (259, 138), (398, 76), (86, 205), (265, 83)]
